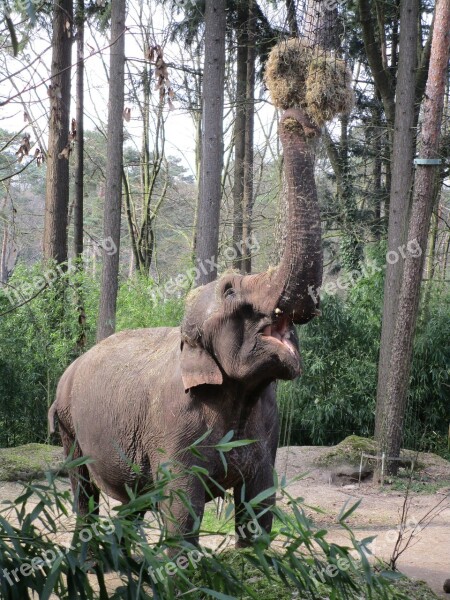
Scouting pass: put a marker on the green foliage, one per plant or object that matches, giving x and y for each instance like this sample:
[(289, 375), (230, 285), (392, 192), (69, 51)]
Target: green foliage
[(139, 306), (428, 414), (40, 338), (335, 396), (34, 559), (348, 451), (29, 462), (33, 354)]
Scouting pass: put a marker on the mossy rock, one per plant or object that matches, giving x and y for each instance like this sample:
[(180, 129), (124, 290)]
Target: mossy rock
[(30, 461), (348, 452)]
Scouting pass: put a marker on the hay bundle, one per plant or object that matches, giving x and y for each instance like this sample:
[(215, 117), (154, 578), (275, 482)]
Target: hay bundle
[(328, 89), (286, 72), (298, 75)]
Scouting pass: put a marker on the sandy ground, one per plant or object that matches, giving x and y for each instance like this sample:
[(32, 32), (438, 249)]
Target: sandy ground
[(427, 558), (379, 514)]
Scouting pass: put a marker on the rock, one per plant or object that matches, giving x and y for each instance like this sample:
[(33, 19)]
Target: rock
[(30, 461), (347, 452)]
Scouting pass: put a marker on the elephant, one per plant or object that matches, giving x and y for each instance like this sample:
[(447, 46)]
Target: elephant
[(142, 391)]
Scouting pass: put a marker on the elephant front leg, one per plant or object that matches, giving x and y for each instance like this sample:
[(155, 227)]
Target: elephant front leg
[(247, 528), (182, 511)]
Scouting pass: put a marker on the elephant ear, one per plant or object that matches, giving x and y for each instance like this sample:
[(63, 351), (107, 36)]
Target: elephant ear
[(198, 367)]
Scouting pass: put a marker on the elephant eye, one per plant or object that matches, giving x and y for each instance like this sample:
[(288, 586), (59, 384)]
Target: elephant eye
[(229, 292)]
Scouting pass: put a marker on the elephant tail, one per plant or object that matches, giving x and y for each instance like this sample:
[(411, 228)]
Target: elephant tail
[(51, 417)]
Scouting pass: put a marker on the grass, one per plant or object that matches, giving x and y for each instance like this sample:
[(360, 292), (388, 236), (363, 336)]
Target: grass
[(31, 461), (420, 484), (275, 589), (348, 452), (224, 524)]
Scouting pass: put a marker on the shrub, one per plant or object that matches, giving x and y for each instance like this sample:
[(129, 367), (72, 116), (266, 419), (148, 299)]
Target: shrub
[(31, 560), (336, 394), (40, 338)]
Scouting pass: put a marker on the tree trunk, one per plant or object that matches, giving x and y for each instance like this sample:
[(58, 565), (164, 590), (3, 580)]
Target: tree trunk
[(249, 152), (240, 130), (322, 27), (79, 147), (382, 77), (57, 182), (3, 257), (425, 178), (292, 18), (377, 190), (350, 246), (113, 192), (79, 173), (212, 150), (401, 182)]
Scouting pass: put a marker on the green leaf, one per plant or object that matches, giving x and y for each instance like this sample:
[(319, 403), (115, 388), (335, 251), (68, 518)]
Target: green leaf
[(77, 462), (345, 514), (50, 583), (227, 446), (201, 438), (263, 496), (227, 437), (218, 595)]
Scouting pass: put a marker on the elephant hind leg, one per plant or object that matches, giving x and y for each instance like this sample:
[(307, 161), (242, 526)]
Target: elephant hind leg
[(83, 487)]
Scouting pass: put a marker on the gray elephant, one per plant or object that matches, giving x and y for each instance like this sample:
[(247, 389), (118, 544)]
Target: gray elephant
[(141, 391)]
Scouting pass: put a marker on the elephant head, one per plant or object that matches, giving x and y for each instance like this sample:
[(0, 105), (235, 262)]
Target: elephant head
[(241, 327)]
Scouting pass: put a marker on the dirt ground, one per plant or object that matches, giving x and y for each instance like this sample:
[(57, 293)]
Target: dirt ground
[(427, 558), (379, 514)]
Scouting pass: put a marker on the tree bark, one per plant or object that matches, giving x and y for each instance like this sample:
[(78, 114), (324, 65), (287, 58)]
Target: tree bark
[(113, 193), (377, 189), (425, 178), (57, 182), (79, 147), (322, 27), (401, 182), (292, 18), (78, 209), (382, 78), (212, 147), (239, 130), (249, 135)]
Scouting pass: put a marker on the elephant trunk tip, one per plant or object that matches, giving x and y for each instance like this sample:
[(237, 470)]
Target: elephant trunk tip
[(295, 120)]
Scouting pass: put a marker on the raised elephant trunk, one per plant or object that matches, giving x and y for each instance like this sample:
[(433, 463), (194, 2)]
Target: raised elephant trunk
[(298, 277)]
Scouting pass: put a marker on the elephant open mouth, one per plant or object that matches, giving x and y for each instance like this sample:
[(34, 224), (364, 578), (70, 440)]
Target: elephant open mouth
[(280, 332)]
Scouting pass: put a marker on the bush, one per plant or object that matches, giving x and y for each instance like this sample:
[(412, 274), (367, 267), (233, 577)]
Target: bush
[(40, 338), (335, 397), (32, 560)]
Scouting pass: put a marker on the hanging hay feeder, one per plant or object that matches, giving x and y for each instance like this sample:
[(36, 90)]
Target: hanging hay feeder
[(328, 89), (301, 76), (286, 72)]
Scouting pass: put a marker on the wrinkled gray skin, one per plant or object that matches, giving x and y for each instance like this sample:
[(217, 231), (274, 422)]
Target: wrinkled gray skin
[(140, 391)]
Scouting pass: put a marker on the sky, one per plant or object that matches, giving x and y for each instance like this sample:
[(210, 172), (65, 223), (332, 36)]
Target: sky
[(180, 131)]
